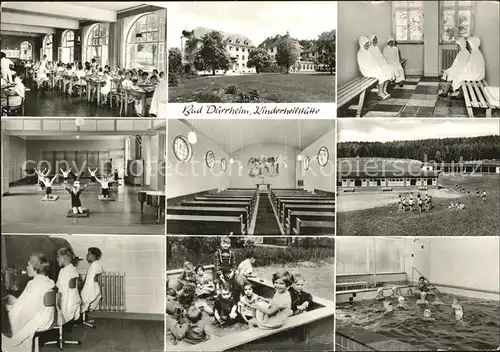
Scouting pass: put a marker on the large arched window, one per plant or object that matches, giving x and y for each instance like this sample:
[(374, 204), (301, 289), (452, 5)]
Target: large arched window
[(96, 44), (67, 50), (145, 46), (47, 47), (26, 51)]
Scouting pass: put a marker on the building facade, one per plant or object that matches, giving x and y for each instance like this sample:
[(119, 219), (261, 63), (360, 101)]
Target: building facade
[(424, 179), (478, 167), (237, 46)]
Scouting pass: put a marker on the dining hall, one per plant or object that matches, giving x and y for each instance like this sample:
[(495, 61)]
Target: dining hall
[(84, 59)]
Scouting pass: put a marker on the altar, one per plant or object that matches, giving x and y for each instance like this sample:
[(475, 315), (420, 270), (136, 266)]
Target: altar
[(263, 186)]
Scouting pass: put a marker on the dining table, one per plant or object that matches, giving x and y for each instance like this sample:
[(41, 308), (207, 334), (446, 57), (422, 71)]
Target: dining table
[(142, 92)]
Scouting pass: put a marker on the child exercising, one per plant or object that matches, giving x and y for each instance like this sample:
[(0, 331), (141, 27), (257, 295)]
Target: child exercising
[(93, 179), (41, 176), (76, 203), (65, 174), (104, 181), (48, 186)]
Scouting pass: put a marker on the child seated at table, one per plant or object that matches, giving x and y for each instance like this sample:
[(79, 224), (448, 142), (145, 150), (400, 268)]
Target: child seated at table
[(127, 82), (106, 88), (154, 77), (20, 90), (162, 75)]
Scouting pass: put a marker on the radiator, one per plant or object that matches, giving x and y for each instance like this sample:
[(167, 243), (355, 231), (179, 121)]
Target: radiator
[(112, 291), (447, 58)]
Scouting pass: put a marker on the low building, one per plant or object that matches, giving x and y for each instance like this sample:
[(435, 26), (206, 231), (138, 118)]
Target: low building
[(237, 46), (304, 64), (479, 167)]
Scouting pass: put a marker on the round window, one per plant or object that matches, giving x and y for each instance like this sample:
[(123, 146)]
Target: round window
[(307, 163), (182, 149), (210, 159), (223, 164), (323, 156)]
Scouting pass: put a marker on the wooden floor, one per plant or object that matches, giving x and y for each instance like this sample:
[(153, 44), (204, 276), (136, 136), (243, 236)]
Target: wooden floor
[(116, 335), (23, 211)]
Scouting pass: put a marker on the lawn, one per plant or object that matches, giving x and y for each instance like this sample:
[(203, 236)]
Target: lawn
[(272, 87), (477, 219)]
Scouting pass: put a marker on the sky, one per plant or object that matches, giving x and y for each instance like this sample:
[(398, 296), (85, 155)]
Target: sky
[(256, 20), (385, 130)]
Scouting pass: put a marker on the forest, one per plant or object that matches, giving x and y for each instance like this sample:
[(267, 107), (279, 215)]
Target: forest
[(438, 149)]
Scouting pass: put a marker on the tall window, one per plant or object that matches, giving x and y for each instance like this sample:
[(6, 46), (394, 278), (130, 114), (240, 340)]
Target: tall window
[(408, 21), (47, 47), (26, 51), (67, 51), (96, 44), (145, 48), (456, 20)]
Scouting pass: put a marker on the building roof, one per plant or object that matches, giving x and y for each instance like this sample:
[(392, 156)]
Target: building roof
[(486, 163), (312, 49), (272, 42), (237, 39), (387, 174)]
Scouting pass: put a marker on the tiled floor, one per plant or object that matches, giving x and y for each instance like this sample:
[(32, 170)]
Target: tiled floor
[(417, 98), (23, 211)]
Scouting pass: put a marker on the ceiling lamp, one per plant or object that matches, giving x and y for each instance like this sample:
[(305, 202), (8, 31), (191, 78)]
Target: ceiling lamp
[(192, 138)]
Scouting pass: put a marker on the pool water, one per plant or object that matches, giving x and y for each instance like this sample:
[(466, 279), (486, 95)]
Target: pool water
[(480, 329)]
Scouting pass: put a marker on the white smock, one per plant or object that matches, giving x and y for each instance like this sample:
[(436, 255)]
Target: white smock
[(367, 65), (380, 59), (70, 298), (159, 101), (91, 292), (28, 315), (460, 61), (391, 54), (475, 68)]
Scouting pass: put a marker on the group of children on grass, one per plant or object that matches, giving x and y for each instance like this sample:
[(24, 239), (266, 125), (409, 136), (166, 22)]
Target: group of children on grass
[(424, 287), (460, 205), (229, 298), (421, 203)]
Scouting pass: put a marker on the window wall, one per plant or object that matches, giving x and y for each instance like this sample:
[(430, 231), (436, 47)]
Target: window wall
[(47, 47), (363, 255), (408, 21), (97, 44), (456, 20), (67, 50), (26, 51)]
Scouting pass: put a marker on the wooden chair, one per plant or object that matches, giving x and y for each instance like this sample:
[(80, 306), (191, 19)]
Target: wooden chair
[(59, 320), (113, 94), (88, 322), (49, 300), (10, 110)]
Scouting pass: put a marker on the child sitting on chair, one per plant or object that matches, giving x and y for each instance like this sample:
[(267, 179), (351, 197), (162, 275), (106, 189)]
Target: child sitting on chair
[(76, 192), (224, 263), (301, 300), (225, 307), (188, 275), (91, 291), (204, 284), (70, 298), (274, 314)]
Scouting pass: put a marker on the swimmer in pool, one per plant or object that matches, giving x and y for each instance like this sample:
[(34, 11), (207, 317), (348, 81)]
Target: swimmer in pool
[(401, 303), (380, 294), (409, 293), (394, 292), (388, 307), (437, 301), (456, 304), (459, 314), (422, 299), (428, 315)]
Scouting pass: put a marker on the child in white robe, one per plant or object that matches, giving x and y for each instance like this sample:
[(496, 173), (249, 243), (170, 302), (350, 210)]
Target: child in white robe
[(380, 59), (391, 54), (475, 70), (70, 298), (91, 292), (369, 68), (28, 314), (460, 60)]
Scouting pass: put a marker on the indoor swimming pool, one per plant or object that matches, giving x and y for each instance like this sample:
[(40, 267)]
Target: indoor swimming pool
[(478, 331)]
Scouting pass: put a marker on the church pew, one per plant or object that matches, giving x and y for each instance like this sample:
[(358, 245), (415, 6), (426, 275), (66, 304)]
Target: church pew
[(285, 204), (291, 220), (306, 207), (250, 201), (286, 199), (308, 227), (205, 225), (199, 203), (211, 211)]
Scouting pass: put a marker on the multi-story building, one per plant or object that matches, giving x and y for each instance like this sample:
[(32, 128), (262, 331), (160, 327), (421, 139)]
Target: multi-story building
[(305, 63), (238, 47)]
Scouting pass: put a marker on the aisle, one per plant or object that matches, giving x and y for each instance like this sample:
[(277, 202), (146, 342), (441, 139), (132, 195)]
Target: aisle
[(265, 223)]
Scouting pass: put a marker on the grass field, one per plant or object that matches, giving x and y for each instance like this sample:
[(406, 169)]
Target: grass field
[(477, 219), (272, 87)]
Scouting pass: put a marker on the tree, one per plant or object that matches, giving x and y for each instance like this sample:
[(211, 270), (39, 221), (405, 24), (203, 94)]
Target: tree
[(174, 61), (259, 58), (212, 54), (288, 52), (326, 48)]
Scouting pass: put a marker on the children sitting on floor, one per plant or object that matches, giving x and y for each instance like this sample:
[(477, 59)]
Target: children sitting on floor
[(75, 193), (225, 307), (193, 331), (186, 296), (204, 284), (301, 300), (188, 275), (247, 298)]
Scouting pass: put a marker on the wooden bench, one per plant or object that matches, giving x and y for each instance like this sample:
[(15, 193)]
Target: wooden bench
[(386, 189), (308, 227), (352, 89), (205, 225), (350, 189), (283, 215), (249, 200), (307, 215), (475, 97), (306, 207), (286, 199), (210, 211)]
